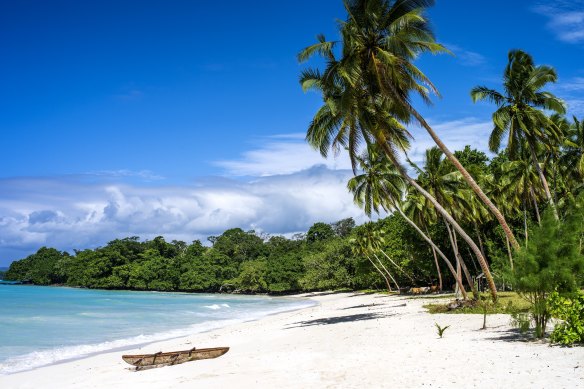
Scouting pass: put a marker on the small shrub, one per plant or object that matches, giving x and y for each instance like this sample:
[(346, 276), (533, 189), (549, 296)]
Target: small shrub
[(571, 311), (552, 261)]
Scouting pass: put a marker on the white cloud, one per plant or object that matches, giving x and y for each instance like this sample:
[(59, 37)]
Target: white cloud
[(575, 84), (466, 57), (455, 134), (142, 174), (575, 106), (565, 19), (281, 154), (68, 213), (571, 91)]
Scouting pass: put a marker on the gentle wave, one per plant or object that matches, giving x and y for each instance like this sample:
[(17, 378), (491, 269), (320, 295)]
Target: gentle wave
[(52, 356), (216, 306)]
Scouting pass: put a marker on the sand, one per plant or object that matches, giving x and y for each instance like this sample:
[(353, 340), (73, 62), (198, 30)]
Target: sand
[(348, 341)]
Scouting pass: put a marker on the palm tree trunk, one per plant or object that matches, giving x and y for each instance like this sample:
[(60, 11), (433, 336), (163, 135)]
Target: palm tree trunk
[(525, 223), (431, 243), (445, 214), (460, 261), (437, 269), (398, 266), (386, 271), (509, 251), (535, 205), (467, 177), (478, 231), (382, 274), (458, 268), (544, 182)]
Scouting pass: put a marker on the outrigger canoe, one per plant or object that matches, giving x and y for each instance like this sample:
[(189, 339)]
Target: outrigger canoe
[(173, 357)]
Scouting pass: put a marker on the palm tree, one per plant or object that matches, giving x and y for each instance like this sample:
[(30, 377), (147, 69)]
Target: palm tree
[(360, 247), (380, 186), (572, 157), (521, 184), (519, 114), (416, 212), (381, 39), (367, 91), (439, 179), (371, 240)]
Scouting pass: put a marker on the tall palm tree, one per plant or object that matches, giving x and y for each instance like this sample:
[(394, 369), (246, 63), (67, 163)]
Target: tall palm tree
[(367, 91), (381, 39), (380, 186), (519, 113)]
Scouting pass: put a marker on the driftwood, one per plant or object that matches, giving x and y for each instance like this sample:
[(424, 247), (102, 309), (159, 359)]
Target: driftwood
[(174, 357)]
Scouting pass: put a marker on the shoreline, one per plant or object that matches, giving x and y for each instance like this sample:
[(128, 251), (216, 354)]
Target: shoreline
[(347, 340), (152, 342), (74, 352)]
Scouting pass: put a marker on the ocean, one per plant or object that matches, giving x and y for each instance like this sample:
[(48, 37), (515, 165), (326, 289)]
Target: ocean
[(45, 325)]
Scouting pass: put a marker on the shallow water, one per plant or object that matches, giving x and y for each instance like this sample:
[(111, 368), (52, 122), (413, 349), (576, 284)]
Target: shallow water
[(44, 325)]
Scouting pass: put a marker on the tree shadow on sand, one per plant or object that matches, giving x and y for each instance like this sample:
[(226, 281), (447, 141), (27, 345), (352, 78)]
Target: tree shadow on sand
[(512, 335), (340, 319), (318, 294), (374, 306)]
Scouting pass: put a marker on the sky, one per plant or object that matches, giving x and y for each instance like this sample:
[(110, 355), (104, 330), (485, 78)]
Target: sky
[(186, 118)]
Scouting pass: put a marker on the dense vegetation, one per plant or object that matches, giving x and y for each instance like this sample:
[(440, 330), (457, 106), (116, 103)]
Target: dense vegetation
[(368, 81), (237, 260)]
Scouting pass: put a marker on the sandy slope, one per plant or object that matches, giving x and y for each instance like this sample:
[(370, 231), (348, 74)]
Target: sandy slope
[(348, 341)]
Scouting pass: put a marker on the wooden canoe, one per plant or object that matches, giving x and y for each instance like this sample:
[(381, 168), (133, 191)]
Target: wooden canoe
[(173, 357)]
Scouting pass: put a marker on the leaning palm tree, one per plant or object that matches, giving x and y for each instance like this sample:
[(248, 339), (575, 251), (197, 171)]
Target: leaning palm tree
[(440, 180), (371, 240), (381, 39), (418, 214), (380, 186), (519, 114), (361, 248), (367, 91)]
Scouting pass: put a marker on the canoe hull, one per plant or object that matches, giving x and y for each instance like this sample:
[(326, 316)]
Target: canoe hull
[(174, 357)]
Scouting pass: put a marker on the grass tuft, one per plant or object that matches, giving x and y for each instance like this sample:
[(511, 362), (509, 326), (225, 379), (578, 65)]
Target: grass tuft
[(508, 303)]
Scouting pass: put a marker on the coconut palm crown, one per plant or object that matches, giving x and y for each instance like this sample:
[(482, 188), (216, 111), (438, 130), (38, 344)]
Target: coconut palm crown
[(520, 116)]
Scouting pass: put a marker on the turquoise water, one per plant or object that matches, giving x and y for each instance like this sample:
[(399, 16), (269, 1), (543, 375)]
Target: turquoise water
[(44, 325)]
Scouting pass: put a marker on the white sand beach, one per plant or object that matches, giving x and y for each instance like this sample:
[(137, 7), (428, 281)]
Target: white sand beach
[(349, 340)]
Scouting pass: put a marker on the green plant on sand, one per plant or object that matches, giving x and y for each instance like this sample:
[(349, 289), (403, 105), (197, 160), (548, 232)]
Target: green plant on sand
[(440, 330)]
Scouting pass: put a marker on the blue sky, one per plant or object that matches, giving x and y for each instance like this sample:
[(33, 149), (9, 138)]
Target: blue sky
[(184, 118)]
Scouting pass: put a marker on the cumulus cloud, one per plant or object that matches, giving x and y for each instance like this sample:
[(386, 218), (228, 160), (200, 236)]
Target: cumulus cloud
[(280, 154), (68, 213), (456, 134), (565, 19)]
